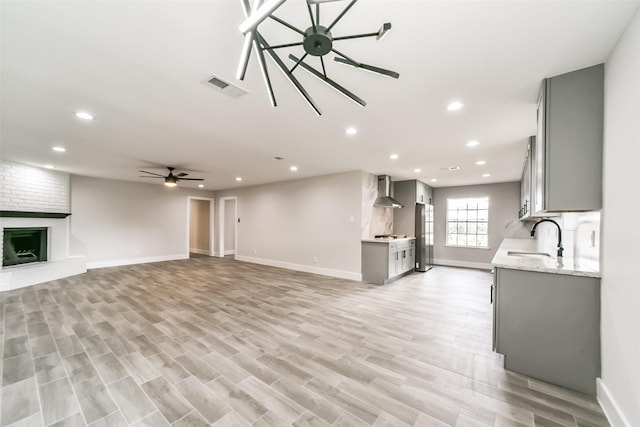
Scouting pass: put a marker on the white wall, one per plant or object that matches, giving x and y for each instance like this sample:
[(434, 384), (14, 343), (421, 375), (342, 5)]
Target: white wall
[(29, 189), (289, 223), (229, 226), (200, 226), (504, 201), (119, 222), (620, 385)]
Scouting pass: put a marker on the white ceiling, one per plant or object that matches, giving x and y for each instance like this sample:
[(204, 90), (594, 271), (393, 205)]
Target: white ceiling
[(139, 68)]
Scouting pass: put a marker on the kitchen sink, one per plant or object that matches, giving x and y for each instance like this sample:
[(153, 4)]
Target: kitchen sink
[(525, 253)]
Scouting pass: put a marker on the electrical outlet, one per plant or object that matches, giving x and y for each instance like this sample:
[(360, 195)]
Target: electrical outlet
[(351, 219), (315, 259), (137, 251), (255, 251), (593, 238)]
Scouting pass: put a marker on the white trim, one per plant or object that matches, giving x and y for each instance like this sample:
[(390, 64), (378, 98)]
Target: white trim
[(301, 267), (221, 225), (465, 264), (609, 406), (130, 261), (200, 251), (230, 252)]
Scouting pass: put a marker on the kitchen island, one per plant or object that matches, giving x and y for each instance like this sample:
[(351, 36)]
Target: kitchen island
[(546, 315), (386, 259)]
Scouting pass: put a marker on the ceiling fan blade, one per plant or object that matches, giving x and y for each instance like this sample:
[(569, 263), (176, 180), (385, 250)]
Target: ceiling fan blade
[(152, 173), (181, 174), (190, 179), (367, 67), (339, 17), (330, 82), (146, 176), (287, 74)]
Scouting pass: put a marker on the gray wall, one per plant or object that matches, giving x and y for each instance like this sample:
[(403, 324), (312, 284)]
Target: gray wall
[(620, 232), (119, 222), (290, 223), (200, 226), (504, 199)]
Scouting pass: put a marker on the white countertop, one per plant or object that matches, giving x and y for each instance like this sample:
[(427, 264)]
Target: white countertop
[(540, 263), (387, 240)]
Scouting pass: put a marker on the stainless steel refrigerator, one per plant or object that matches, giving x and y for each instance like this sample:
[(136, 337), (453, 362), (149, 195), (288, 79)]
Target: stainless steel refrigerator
[(424, 237)]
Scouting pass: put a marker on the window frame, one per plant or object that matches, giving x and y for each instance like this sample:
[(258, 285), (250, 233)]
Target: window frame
[(474, 200)]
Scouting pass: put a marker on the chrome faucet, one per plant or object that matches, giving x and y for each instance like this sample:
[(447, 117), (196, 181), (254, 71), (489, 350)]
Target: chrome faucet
[(560, 248)]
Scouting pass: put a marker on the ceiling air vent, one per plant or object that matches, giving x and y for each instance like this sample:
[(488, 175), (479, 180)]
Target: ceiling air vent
[(225, 87)]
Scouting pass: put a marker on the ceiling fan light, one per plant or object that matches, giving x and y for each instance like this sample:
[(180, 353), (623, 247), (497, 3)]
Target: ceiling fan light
[(384, 30), (170, 181)]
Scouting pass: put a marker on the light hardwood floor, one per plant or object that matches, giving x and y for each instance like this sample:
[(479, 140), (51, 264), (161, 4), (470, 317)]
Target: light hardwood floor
[(215, 341)]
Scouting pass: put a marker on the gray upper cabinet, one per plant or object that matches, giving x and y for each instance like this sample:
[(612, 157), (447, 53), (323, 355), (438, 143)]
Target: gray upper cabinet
[(567, 161), (409, 193)]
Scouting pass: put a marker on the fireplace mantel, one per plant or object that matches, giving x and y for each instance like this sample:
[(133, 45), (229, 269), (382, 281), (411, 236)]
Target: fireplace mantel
[(23, 214)]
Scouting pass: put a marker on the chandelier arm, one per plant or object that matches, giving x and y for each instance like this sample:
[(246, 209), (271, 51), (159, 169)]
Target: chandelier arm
[(367, 67), (286, 24), (285, 45), (244, 56), (260, 14), (298, 63), (317, 13), (313, 22), (330, 82), (324, 71), (263, 68), (348, 60), (346, 9), (357, 36), (274, 56)]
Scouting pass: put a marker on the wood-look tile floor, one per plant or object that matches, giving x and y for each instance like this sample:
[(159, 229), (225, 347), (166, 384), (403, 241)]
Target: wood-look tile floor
[(214, 341)]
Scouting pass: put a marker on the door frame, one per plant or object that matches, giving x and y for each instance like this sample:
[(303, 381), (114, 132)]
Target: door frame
[(222, 206), (212, 212)]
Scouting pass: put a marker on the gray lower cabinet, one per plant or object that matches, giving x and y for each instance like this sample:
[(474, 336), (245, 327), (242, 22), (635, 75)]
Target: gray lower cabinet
[(385, 261), (548, 326)]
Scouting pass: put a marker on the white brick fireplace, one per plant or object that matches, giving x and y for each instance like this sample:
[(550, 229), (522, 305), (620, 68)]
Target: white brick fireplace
[(34, 197)]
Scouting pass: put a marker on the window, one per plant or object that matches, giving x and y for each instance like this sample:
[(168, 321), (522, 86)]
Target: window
[(468, 222)]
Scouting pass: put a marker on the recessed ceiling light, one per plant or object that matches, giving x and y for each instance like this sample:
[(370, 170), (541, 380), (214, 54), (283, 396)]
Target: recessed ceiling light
[(200, 185), (472, 143), (417, 170), (486, 175), (238, 178), (351, 131), (393, 157), (59, 149), (434, 180), (481, 162), (49, 166), (454, 168), (84, 115), (454, 106), (293, 168)]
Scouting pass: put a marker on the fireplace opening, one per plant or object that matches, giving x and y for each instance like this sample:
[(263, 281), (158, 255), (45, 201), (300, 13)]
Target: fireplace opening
[(24, 245)]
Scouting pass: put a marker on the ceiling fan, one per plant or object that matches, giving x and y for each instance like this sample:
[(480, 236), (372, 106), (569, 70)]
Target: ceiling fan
[(317, 40), (170, 180)]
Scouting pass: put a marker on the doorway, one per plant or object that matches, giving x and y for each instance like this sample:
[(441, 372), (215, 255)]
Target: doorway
[(200, 233), (228, 220)]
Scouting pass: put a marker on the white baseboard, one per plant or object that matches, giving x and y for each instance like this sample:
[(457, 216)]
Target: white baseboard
[(199, 251), (130, 261), (466, 264), (230, 252), (301, 267), (610, 406)]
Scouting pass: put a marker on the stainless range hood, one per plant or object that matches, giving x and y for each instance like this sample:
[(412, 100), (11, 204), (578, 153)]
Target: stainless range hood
[(384, 193)]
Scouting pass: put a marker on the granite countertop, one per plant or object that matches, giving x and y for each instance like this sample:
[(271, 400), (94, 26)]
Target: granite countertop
[(539, 263), (387, 240)]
